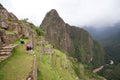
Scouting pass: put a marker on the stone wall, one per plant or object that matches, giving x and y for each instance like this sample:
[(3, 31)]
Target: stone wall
[(2, 33), (33, 74), (34, 69), (8, 38)]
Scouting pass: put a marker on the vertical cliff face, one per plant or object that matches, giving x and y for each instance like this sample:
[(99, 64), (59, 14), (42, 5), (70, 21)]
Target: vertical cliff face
[(73, 40), (56, 31)]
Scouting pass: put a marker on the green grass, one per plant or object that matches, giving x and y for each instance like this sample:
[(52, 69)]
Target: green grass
[(57, 52), (17, 66), (9, 32), (48, 46), (18, 41), (53, 69)]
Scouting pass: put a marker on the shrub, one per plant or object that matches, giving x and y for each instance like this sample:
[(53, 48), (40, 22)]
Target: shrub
[(39, 32)]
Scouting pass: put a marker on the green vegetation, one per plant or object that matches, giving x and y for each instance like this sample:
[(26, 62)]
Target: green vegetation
[(109, 38), (39, 32), (53, 68), (17, 66), (111, 72), (9, 32), (1, 17), (59, 66), (32, 26), (22, 21)]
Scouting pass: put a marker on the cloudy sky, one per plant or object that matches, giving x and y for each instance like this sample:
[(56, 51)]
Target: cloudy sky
[(75, 12)]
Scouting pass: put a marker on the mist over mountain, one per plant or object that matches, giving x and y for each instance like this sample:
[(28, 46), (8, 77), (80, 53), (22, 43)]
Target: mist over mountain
[(104, 32), (109, 38)]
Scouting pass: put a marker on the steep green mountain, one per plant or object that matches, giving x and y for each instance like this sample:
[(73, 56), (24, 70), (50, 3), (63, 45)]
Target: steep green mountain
[(44, 61), (110, 40), (56, 65), (75, 41)]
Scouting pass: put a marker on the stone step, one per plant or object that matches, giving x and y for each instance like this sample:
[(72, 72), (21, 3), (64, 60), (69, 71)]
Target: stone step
[(3, 57), (6, 50), (10, 46), (4, 53), (7, 47)]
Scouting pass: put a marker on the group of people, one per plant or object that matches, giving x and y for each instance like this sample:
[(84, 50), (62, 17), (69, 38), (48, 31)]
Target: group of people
[(28, 47)]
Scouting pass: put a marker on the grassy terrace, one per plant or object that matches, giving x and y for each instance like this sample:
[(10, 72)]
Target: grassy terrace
[(54, 69), (17, 66), (9, 32)]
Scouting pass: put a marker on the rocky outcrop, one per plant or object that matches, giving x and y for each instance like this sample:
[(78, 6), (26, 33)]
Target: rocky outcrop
[(56, 31), (1, 6), (2, 33), (73, 40), (9, 22)]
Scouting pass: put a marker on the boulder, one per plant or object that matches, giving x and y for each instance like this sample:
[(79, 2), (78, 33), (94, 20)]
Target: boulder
[(4, 25)]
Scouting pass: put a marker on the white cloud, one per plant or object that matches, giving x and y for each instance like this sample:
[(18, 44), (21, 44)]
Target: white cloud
[(74, 12)]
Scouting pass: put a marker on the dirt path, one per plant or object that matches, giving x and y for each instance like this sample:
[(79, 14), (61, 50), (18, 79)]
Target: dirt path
[(101, 67), (98, 69)]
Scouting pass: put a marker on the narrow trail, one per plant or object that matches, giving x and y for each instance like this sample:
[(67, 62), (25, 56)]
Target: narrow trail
[(98, 69), (101, 67)]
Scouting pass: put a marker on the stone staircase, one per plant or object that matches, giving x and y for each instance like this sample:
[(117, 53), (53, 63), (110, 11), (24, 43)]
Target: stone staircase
[(5, 51)]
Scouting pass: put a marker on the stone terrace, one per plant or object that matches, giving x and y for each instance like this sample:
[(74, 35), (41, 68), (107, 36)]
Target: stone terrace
[(6, 51)]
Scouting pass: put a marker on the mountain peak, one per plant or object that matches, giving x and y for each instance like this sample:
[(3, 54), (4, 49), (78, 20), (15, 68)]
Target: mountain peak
[(53, 15), (70, 39), (52, 12), (53, 18)]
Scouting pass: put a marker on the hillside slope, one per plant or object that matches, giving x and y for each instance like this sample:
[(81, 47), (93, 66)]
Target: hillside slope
[(54, 64), (109, 37), (17, 66), (72, 40)]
